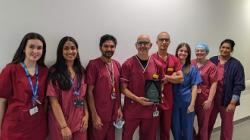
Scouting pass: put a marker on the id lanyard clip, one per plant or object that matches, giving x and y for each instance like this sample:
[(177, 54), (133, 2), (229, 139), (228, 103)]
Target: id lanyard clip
[(110, 69), (156, 111)]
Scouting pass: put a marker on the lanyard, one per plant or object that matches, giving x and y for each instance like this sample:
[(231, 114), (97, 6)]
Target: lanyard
[(144, 69), (76, 87), (110, 69), (33, 88)]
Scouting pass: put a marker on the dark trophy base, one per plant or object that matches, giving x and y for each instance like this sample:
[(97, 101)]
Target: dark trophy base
[(153, 90)]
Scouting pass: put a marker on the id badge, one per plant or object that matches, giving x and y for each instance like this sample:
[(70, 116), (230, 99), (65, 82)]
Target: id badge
[(78, 103), (33, 110), (113, 95), (156, 112)]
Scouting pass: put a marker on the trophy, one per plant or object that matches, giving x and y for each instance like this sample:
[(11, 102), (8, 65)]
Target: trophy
[(152, 89)]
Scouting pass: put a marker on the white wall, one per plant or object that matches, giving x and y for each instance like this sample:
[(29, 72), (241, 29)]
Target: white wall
[(86, 20)]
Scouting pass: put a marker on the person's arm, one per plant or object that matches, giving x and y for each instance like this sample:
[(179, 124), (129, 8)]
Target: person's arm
[(119, 103), (193, 99), (213, 79), (85, 118), (6, 89), (57, 111), (142, 100), (175, 78), (238, 86), (125, 79), (212, 91), (3, 102), (97, 122), (196, 79)]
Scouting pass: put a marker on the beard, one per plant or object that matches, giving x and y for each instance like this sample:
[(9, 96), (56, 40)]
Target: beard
[(108, 54)]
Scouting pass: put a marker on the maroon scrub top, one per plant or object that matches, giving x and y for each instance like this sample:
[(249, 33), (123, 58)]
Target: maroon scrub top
[(17, 123), (73, 115), (171, 65), (98, 75), (208, 74), (133, 77)]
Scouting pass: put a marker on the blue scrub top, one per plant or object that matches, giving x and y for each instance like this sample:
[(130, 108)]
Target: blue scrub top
[(183, 92)]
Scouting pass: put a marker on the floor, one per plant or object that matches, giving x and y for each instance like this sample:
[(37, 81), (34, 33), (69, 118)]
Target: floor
[(241, 132)]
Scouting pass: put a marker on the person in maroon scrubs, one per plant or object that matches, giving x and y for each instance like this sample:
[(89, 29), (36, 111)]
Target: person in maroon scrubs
[(103, 76), (22, 92), (68, 113), (138, 110), (172, 69), (206, 89), (231, 83)]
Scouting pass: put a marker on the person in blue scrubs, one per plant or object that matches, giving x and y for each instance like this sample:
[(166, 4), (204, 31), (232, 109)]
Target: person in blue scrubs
[(185, 95)]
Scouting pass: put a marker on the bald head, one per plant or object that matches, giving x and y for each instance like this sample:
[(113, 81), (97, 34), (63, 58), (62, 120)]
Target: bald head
[(143, 40), (143, 44), (163, 34), (143, 37), (163, 41)]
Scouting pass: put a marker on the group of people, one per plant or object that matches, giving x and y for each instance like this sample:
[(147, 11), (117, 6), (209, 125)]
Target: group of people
[(69, 102)]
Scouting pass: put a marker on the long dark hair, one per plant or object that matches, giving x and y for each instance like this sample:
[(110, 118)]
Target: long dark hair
[(186, 66), (59, 73), (20, 55)]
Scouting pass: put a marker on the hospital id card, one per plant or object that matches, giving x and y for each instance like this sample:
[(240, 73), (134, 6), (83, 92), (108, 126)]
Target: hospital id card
[(33, 110)]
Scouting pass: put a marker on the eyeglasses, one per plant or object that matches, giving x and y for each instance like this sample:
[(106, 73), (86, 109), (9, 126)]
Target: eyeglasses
[(145, 43), (164, 39)]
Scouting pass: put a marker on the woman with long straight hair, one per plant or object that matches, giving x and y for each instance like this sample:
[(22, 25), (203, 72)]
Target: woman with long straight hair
[(68, 113), (22, 92), (185, 96)]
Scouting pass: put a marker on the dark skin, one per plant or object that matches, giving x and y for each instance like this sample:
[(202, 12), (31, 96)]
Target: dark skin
[(225, 54), (163, 41), (107, 49)]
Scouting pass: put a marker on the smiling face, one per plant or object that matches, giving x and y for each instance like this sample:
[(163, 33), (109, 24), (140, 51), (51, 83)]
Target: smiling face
[(33, 50), (143, 44), (225, 50), (108, 49), (182, 53), (69, 51), (200, 53)]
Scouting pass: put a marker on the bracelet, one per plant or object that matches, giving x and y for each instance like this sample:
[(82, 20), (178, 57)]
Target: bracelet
[(64, 127)]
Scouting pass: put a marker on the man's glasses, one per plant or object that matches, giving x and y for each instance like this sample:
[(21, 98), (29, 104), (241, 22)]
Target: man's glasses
[(143, 43), (164, 39)]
